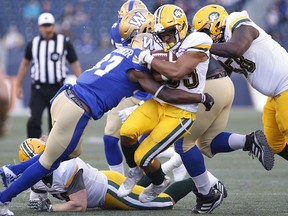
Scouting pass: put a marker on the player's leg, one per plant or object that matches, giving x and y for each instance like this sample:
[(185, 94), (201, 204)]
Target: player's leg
[(275, 121), (111, 136), (58, 146), (131, 202), (37, 105), (167, 131), (137, 124)]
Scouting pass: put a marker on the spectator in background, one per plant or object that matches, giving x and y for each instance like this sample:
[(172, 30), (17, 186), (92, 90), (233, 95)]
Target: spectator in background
[(13, 39), (4, 94), (4, 102), (48, 53), (32, 10)]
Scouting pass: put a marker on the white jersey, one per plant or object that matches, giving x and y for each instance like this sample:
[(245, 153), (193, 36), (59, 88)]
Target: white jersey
[(264, 64), (194, 82), (95, 182)]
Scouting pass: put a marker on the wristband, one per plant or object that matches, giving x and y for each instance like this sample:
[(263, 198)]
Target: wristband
[(203, 98), (141, 102), (158, 90), (148, 59), (164, 78)]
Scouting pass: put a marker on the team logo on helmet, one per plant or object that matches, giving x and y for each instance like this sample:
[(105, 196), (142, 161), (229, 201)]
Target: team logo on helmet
[(177, 13), (214, 16)]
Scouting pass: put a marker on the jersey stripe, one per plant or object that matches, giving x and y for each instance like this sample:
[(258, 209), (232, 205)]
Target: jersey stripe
[(236, 22)]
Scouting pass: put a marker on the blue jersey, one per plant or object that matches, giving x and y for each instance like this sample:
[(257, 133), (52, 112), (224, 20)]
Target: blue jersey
[(103, 86)]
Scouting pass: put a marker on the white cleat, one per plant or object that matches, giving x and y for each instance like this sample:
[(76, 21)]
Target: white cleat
[(152, 191), (134, 175)]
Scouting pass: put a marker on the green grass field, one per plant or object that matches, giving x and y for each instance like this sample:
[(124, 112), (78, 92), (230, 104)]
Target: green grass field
[(251, 189)]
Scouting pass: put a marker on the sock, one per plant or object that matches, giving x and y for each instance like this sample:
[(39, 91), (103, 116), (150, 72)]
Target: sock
[(179, 173), (157, 177), (174, 162), (202, 183), (193, 161), (221, 143), (129, 154), (284, 152), (117, 168), (180, 189), (213, 180), (112, 150), (21, 167), (145, 181), (30, 176), (227, 142), (168, 153)]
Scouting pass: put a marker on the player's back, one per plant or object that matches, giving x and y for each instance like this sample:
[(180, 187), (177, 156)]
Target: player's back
[(103, 86)]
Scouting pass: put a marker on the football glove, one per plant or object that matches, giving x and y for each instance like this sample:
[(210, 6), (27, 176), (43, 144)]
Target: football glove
[(41, 204), (125, 113), (208, 101), (145, 57)]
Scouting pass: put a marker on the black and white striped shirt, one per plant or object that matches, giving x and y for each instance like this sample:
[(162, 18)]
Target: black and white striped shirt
[(49, 58)]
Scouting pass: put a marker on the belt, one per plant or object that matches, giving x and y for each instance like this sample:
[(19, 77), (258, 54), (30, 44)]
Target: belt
[(217, 75), (71, 95)]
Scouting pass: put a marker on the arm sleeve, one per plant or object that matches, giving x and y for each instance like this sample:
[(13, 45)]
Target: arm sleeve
[(71, 54), (77, 183), (28, 51)]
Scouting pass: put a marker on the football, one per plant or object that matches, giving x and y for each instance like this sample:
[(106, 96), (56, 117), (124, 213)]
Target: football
[(164, 56)]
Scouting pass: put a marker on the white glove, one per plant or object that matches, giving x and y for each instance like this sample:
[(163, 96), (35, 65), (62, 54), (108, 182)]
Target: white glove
[(145, 57), (125, 113)]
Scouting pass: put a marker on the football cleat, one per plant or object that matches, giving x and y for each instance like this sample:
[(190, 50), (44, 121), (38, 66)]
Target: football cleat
[(207, 203), (4, 209), (257, 144), (7, 176), (221, 188), (134, 175), (152, 191)]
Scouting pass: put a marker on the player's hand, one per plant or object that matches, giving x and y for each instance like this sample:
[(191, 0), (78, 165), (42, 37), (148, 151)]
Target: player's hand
[(125, 113), (208, 101), (145, 57), (40, 204)]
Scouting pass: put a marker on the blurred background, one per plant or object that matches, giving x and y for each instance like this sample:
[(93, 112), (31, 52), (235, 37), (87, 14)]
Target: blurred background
[(87, 23)]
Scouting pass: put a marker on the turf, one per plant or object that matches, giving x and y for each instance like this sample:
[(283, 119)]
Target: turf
[(251, 189)]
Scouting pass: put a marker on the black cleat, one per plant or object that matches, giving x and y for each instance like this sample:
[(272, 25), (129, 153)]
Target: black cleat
[(257, 144), (207, 203)]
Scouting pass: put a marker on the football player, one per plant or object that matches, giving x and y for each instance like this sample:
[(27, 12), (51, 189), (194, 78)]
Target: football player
[(134, 18), (96, 91), (166, 122), (83, 186), (243, 47)]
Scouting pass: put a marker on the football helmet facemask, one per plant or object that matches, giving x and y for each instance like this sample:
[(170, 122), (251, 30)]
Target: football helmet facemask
[(135, 22), (30, 147), (170, 17), (211, 20), (130, 5)]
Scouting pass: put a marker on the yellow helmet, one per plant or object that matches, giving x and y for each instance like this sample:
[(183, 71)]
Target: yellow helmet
[(210, 19), (135, 22), (130, 5), (30, 147), (168, 17)]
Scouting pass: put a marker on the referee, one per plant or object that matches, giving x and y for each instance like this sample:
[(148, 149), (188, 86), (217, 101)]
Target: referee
[(47, 54)]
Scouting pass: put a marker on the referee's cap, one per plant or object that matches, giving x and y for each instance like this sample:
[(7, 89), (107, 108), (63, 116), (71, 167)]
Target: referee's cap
[(46, 18)]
